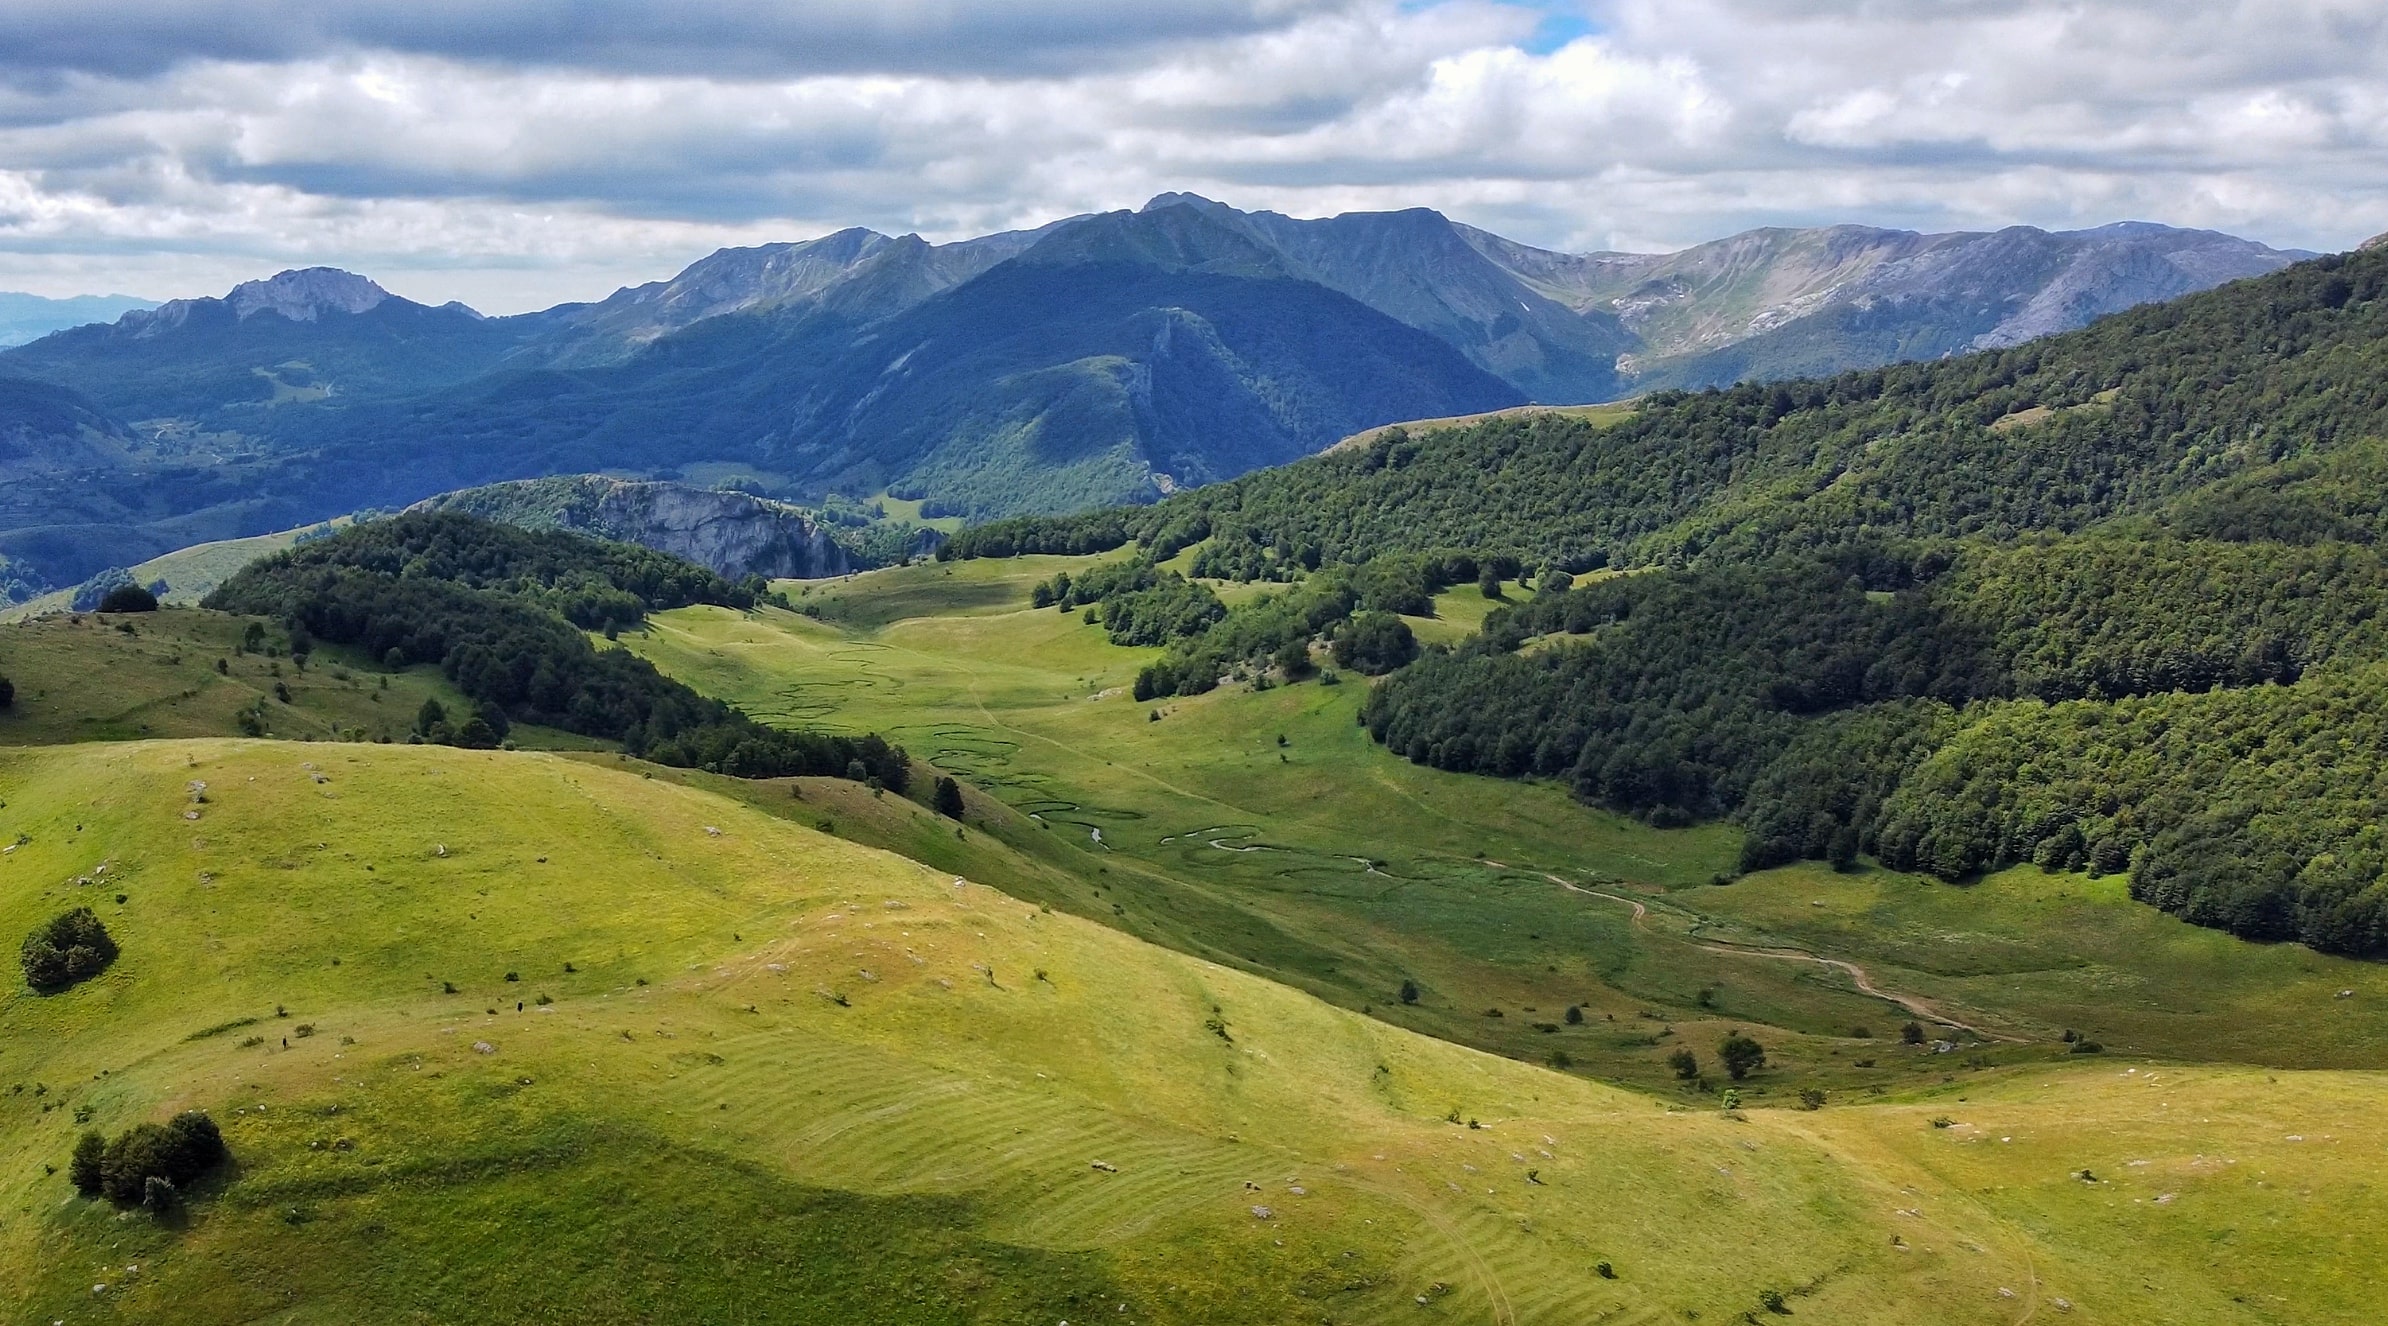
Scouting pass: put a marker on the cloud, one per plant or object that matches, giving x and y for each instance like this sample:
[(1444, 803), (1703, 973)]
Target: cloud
[(518, 153), (739, 39)]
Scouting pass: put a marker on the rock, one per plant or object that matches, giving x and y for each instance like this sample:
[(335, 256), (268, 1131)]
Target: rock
[(484, 1047), (734, 534)]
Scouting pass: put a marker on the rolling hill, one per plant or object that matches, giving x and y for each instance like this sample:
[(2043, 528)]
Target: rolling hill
[(774, 1076)]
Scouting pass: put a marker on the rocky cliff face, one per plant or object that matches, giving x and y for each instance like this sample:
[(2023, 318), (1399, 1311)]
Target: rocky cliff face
[(735, 534)]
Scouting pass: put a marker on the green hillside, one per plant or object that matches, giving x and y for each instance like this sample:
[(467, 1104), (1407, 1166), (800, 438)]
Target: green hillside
[(2102, 602), (1333, 865), (119, 677), (190, 573), (782, 1077)]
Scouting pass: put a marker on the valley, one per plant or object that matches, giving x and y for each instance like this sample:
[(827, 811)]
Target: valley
[(1333, 866), (1814, 849)]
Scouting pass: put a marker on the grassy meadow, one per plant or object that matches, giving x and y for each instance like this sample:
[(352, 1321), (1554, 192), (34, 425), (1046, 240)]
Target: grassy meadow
[(128, 676), (524, 1035), (1330, 865), (747, 1071), (189, 573)]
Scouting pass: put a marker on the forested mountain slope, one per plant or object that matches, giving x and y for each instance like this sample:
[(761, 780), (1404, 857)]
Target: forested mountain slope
[(2107, 601), (1115, 357)]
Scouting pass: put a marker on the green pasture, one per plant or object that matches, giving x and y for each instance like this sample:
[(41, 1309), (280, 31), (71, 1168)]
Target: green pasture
[(746, 1071), (1325, 863), (189, 573), (128, 676)]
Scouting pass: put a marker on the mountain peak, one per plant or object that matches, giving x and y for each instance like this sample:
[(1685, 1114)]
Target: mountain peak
[(1177, 199), (306, 293)]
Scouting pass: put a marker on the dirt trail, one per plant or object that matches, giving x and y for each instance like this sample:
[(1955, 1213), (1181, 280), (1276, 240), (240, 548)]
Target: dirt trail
[(1920, 1008)]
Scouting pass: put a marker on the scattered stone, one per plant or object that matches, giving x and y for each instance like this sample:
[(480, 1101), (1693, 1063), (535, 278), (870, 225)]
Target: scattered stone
[(1262, 1213), (484, 1047), (1106, 1166)]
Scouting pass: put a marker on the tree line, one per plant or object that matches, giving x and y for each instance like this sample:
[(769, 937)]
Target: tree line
[(488, 604)]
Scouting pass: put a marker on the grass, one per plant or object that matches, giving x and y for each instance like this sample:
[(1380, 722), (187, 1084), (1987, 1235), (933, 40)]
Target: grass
[(2044, 953), (189, 573), (755, 1069), (789, 1078), (126, 676), (1606, 413), (1329, 865)]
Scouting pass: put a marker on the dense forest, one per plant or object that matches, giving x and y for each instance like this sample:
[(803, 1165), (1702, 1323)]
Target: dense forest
[(2109, 602), (2121, 417), (505, 613)]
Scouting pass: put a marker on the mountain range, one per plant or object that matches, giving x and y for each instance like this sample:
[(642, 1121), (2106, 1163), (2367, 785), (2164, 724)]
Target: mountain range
[(26, 317), (1103, 358)]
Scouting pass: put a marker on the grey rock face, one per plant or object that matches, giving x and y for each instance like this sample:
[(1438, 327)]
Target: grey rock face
[(735, 534), (305, 294)]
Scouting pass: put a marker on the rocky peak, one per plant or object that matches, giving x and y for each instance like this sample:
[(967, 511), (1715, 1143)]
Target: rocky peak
[(305, 294)]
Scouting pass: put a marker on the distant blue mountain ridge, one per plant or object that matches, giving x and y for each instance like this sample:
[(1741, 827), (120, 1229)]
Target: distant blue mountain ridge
[(1103, 358)]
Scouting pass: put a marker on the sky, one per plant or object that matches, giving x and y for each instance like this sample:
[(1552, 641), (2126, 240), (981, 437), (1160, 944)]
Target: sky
[(518, 153)]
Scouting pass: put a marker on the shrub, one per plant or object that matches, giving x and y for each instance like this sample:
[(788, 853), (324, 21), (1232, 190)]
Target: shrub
[(1575, 1015), (2088, 1046), (8, 692), (1685, 1063), (1772, 1301), (1912, 1033), (948, 801), (1741, 1055), (178, 1151), (1603, 1269), (83, 1169), (1811, 1098), (73, 947), (128, 598), (1409, 992), (1374, 642)]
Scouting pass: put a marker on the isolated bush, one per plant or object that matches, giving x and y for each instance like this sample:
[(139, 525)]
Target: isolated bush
[(1811, 1098), (71, 948), (178, 1151), (1409, 992), (8, 692), (1685, 1063), (1575, 1015), (948, 799), (83, 1169), (1912, 1033), (128, 598), (1741, 1055)]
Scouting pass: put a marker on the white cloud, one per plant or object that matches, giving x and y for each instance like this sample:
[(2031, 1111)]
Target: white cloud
[(500, 153)]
